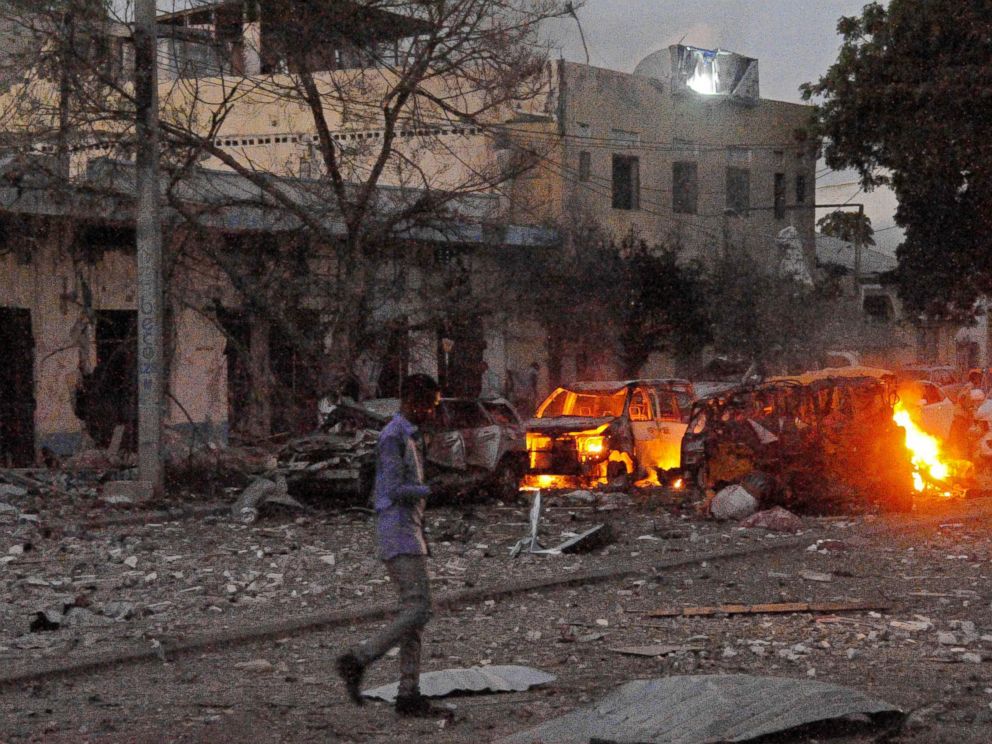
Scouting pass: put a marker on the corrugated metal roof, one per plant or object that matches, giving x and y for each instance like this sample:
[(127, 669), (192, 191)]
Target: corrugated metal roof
[(703, 710)]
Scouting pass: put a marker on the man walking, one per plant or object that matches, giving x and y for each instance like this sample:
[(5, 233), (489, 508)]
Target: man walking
[(400, 497)]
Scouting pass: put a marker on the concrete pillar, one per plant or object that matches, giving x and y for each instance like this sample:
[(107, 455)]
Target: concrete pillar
[(251, 43)]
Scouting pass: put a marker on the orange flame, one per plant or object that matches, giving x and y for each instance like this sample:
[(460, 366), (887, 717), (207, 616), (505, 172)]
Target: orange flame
[(925, 450)]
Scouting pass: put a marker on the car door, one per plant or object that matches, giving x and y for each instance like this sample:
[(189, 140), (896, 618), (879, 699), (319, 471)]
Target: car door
[(640, 413), (512, 434), (480, 434), (445, 445), (670, 427)]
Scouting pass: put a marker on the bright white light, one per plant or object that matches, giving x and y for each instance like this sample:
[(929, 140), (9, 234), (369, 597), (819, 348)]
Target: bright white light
[(703, 83), (704, 77)]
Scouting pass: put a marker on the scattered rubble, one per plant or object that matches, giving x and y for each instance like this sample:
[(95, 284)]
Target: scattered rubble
[(772, 608)]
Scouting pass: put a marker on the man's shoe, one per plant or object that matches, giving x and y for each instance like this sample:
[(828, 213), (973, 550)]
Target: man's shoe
[(351, 671), (418, 706)]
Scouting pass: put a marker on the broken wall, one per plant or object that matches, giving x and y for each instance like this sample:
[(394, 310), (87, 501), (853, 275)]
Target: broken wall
[(65, 299)]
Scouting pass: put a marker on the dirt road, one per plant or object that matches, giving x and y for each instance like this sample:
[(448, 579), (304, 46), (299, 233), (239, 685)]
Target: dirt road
[(929, 650)]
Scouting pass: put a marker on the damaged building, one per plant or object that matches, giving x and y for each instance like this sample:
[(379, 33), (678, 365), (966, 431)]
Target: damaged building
[(684, 150)]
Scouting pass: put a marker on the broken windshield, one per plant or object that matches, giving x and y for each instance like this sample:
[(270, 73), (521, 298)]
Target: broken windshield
[(585, 404)]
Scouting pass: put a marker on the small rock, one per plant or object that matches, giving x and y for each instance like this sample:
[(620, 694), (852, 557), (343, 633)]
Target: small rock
[(816, 576), (912, 626), (255, 665), (603, 623), (944, 638), (733, 502), (131, 561), (117, 500), (118, 610), (16, 550), (328, 559), (533, 635), (971, 658), (776, 519), (8, 490)]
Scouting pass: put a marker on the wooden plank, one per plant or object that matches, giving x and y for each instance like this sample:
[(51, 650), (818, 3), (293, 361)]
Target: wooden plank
[(773, 608)]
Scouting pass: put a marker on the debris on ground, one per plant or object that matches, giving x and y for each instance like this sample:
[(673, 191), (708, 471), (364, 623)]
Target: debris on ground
[(733, 503), (261, 493), (771, 608), (657, 650), (707, 708), (776, 519), (592, 539), (336, 460), (473, 680)]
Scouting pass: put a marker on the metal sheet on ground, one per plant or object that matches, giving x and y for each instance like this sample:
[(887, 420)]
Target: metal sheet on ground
[(704, 709), (475, 679)]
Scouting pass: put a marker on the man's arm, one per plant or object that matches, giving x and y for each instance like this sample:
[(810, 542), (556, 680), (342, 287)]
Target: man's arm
[(391, 474)]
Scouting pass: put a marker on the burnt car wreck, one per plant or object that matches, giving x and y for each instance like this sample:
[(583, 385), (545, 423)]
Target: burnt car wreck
[(596, 433), (815, 445), (472, 444)]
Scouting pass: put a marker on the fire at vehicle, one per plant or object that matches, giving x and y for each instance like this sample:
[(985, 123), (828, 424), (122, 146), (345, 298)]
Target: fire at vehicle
[(824, 441), (594, 433)]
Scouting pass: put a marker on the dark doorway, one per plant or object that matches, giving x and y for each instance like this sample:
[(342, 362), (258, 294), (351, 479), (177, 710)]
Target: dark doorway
[(237, 331), (16, 388), (460, 369), (293, 368), (295, 372), (108, 396)]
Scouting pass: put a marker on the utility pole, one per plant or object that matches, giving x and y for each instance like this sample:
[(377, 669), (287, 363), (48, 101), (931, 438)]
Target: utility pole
[(149, 248)]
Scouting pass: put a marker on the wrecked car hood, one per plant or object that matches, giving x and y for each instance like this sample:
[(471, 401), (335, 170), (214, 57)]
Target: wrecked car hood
[(566, 424)]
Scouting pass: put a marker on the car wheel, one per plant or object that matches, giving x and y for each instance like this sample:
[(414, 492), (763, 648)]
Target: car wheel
[(506, 480), (700, 479), (617, 476)]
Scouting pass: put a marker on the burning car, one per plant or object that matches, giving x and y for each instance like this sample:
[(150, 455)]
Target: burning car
[(592, 433), (827, 442)]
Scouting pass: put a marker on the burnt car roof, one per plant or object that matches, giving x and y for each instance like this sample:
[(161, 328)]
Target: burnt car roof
[(589, 385)]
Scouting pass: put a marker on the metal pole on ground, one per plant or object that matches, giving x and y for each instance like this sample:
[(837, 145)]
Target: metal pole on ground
[(149, 249)]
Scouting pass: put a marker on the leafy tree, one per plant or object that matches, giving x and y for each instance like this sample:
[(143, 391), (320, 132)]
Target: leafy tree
[(761, 316), (626, 297), (849, 226), (907, 103)]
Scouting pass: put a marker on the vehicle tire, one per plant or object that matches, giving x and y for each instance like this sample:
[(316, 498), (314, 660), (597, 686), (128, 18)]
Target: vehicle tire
[(505, 483), (700, 479), (617, 476)]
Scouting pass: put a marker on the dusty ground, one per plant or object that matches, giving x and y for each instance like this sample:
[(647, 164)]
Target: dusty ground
[(929, 650)]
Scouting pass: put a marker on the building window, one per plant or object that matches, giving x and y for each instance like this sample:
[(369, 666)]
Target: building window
[(685, 188), (585, 165), (780, 196), (738, 191), (800, 189), (626, 182)]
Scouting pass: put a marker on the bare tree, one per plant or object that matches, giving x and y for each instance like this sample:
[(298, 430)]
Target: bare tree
[(357, 124)]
